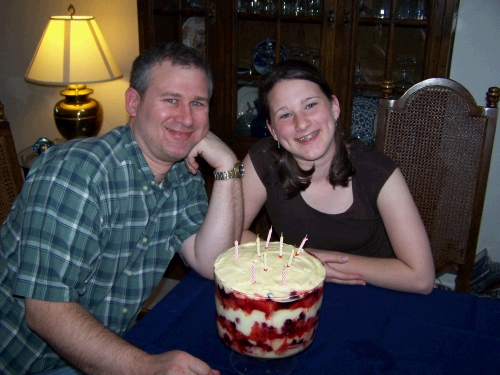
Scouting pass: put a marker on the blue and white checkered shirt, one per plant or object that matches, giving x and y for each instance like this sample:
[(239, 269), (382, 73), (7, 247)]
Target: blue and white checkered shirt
[(90, 226)]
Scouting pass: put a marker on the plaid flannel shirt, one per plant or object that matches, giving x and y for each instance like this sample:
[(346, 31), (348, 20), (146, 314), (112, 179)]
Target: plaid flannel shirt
[(90, 226)]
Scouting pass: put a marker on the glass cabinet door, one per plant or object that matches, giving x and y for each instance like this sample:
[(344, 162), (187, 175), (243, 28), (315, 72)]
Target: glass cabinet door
[(357, 44), (269, 31), (172, 21), (392, 41)]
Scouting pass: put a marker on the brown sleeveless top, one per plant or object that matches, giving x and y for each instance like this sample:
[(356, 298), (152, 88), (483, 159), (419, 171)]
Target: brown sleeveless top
[(359, 230)]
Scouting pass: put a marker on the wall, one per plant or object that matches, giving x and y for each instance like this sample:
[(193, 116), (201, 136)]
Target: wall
[(28, 107), (475, 64)]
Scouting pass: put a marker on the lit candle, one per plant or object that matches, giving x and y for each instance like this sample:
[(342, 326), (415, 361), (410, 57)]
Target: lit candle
[(290, 259), (236, 249), (253, 272), (302, 245), (265, 261), (283, 276), (269, 237), (257, 242), (281, 245)]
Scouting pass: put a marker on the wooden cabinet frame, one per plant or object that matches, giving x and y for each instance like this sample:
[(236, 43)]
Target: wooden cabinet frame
[(339, 24)]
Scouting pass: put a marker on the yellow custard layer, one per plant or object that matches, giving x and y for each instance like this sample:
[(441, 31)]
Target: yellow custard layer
[(304, 274)]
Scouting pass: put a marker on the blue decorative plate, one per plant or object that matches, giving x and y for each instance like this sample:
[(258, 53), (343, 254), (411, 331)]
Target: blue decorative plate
[(264, 55), (364, 114)]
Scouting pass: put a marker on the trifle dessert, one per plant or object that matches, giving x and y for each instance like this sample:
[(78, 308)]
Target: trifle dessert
[(268, 299)]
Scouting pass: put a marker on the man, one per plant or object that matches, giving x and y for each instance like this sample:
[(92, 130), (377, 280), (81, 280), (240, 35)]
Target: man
[(99, 219)]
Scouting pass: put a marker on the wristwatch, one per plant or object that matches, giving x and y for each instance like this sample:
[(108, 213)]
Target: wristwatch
[(237, 172)]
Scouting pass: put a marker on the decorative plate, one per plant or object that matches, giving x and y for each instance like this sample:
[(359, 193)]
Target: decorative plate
[(264, 55), (364, 114), (193, 33)]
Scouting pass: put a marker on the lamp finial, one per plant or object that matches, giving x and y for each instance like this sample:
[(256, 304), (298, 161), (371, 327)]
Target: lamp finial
[(71, 10)]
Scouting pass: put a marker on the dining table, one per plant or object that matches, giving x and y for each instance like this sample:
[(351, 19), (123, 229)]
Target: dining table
[(361, 330)]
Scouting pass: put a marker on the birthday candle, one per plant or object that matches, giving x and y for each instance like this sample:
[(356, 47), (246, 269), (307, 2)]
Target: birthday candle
[(301, 245), (257, 242), (265, 261), (290, 259), (253, 272), (281, 245), (283, 276), (269, 237), (236, 249)]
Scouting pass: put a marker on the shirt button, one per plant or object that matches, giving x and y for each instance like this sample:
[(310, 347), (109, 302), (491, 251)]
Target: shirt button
[(129, 273), (125, 310), (145, 188), (153, 183), (144, 239)]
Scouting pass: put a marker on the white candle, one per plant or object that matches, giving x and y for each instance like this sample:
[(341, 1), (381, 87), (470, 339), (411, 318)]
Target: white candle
[(257, 242), (290, 259), (253, 272), (281, 245), (265, 261), (283, 276), (236, 249)]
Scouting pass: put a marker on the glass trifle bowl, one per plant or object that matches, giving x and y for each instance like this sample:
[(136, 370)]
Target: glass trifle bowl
[(268, 302)]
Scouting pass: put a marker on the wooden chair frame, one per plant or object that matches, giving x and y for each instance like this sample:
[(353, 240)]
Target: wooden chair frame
[(11, 179), (415, 129)]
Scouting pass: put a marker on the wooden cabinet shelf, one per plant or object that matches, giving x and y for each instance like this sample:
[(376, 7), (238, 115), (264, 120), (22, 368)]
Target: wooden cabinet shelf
[(340, 41)]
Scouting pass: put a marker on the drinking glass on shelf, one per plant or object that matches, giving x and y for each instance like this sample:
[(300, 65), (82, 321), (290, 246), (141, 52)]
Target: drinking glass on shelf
[(299, 53), (286, 7), (313, 7), (422, 10), (268, 6), (314, 55), (256, 6), (359, 76), (246, 6), (242, 6), (363, 10), (191, 4), (300, 7), (381, 8), (197, 4), (406, 9), (404, 81)]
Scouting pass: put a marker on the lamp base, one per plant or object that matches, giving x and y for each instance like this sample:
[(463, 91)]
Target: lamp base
[(78, 115)]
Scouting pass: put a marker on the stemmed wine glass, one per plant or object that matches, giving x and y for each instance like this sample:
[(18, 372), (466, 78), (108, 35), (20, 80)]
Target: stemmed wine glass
[(363, 10), (381, 8), (405, 81), (359, 76)]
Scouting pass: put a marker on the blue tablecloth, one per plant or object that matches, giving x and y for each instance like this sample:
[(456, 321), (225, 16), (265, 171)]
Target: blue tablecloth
[(362, 330)]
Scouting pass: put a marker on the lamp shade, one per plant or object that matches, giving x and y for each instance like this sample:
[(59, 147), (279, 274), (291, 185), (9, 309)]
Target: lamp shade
[(72, 50)]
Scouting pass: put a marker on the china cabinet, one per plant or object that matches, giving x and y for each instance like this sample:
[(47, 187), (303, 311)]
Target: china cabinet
[(356, 43)]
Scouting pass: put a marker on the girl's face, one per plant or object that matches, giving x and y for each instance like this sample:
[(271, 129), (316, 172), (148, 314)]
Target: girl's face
[(303, 120)]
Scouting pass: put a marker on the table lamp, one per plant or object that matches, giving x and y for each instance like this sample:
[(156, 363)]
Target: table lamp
[(73, 52)]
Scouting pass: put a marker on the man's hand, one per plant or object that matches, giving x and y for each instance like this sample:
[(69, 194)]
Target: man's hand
[(177, 362), (215, 152), (224, 220), (86, 343)]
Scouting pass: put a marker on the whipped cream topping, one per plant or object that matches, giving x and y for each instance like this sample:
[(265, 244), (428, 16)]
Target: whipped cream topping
[(305, 273)]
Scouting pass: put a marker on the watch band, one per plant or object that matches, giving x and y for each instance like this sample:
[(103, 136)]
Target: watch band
[(236, 172)]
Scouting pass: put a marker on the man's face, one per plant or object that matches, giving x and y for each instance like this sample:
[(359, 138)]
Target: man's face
[(172, 115)]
